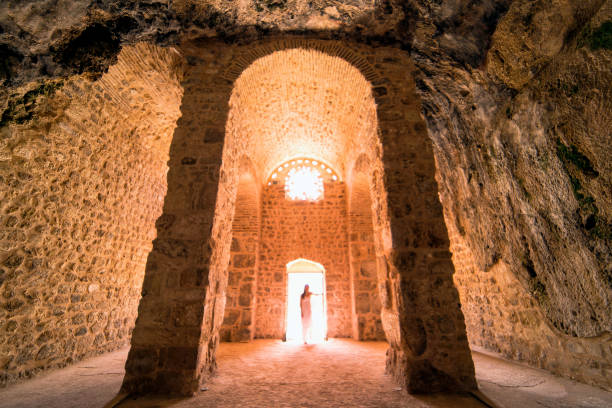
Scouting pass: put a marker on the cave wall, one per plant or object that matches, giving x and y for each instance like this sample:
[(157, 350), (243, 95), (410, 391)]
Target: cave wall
[(501, 317), (80, 188), (521, 157)]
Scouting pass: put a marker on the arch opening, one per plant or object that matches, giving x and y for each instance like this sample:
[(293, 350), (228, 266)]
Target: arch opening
[(290, 104), (302, 315), (314, 114)]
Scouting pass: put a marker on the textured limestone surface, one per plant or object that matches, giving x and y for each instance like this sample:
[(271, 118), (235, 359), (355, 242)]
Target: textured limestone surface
[(80, 189), (525, 183)]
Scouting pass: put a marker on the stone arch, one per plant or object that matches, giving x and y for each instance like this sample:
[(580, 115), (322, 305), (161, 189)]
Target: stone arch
[(291, 316), (332, 48), (332, 136), (174, 343)]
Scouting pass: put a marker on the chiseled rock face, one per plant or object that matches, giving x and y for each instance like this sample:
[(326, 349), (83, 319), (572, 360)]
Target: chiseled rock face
[(531, 34), (515, 94), (526, 178)]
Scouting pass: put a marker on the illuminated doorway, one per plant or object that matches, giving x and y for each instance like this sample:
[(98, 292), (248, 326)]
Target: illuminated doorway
[(302, 272)]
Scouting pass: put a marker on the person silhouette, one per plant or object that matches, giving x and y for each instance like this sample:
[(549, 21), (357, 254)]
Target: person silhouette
[(306, 313)]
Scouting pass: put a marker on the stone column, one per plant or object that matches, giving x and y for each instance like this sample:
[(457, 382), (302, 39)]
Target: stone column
[(239, 317), (421, 313), (183, 292)]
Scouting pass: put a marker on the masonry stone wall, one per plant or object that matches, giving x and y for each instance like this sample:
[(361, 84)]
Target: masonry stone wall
[(362, 254), (316, 231), (184, 290), (240, 301), (80, 189)]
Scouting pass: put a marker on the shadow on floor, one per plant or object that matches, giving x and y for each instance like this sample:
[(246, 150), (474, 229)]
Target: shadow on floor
[(270, 373)]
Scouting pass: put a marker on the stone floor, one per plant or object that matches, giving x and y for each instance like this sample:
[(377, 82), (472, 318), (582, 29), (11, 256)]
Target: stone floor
[(270, 373)]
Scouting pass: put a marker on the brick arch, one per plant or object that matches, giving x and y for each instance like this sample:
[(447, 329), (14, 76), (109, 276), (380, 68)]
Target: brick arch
[(301, 102), (269, 46), (420, 310)]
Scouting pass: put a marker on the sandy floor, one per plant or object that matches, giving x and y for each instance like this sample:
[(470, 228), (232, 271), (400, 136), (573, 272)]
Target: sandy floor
[(269, 373)]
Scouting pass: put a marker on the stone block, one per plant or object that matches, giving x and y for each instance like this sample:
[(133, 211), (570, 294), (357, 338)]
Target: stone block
[(178, 358), (243, 261), (188, 315)]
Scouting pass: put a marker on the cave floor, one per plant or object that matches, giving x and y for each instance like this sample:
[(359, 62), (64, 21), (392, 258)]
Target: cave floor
[(270, 373)]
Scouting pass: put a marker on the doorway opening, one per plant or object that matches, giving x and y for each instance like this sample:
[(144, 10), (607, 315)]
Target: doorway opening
[(302, 272)]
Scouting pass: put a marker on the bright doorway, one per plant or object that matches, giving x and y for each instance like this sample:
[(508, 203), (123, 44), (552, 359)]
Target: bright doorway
[(302, 272)]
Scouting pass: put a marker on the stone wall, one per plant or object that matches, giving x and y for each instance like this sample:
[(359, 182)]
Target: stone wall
[(503, 317), (525, 181), (362, 254), (316, 231), (184, 290), (80, 189), (240, 301), (514, 95)]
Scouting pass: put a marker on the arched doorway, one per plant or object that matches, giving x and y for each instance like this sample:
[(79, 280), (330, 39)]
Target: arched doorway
[(325, 103), (303, 272)]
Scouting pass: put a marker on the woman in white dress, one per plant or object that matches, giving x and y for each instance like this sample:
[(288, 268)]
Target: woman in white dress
[(306, 312)]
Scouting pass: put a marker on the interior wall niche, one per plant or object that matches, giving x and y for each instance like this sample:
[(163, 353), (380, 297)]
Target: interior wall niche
[(240, 301), (362, 257), (82, 186), (298, 98)]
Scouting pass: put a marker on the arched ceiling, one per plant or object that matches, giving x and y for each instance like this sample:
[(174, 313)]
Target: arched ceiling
[(300, 103)]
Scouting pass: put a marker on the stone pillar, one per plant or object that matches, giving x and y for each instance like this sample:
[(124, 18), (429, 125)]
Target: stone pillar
[(183, 293), (421, 311), (239, 318)]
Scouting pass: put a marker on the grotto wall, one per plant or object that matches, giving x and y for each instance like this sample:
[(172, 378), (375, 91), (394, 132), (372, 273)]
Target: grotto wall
[(521, 145), (81, 185)]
